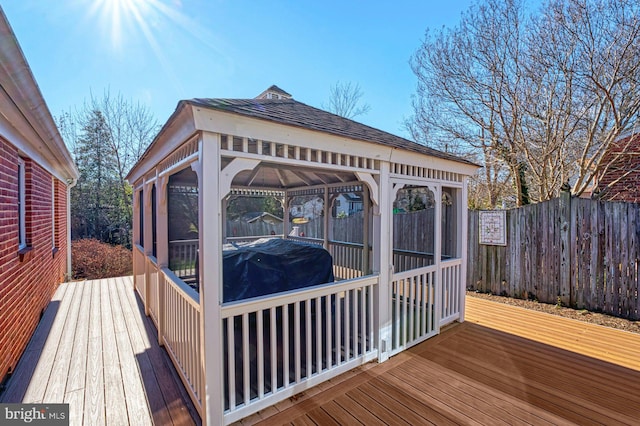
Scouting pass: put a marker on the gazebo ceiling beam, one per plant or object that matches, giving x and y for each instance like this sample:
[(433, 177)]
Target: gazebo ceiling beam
[(282, 178), (340, 178), (302, 177), (319, 177), (253, 176)]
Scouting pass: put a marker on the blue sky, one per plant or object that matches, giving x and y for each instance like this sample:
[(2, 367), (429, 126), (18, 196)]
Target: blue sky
[(160, 51)]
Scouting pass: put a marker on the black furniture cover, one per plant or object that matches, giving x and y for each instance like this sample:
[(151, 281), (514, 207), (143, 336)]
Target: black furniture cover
[(270, 266)]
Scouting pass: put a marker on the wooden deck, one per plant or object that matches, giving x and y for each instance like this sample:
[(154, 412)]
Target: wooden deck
[(505, 365), (96, 350)]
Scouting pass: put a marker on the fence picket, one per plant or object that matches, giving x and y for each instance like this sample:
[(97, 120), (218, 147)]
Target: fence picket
[(624, 261), (599, 259)]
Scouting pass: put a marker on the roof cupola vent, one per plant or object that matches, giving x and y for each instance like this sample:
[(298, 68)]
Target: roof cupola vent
[(274, 92)]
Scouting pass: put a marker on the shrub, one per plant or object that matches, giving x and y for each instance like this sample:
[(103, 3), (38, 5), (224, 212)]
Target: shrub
[(92, 259)]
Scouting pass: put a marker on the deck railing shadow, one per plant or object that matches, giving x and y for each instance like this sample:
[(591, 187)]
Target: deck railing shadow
[(18, 382), (157, 371)]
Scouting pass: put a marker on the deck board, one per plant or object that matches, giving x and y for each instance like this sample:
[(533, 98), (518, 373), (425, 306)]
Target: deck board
[(114, 401), (96, 350), (76, 380), (340, 415), (136, 401), (94, 382), (504, 365), (78, 362), (349, 404)]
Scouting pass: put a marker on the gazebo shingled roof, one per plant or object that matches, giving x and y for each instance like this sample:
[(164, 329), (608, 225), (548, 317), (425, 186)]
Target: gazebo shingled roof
[(294, 113)]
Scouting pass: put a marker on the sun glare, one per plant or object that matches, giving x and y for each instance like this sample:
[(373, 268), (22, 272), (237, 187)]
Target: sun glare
[(124, 21), (118, 17)]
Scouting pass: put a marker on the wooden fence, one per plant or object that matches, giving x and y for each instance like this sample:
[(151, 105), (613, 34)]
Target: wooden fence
[(243, 229), (412, 231), (582, 253)]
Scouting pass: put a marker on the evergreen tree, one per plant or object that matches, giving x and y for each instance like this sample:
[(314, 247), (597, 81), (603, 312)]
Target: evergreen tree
[(95, 203)]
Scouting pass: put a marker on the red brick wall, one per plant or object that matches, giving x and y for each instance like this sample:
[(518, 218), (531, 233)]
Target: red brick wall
[(27, 282), (621, 180)]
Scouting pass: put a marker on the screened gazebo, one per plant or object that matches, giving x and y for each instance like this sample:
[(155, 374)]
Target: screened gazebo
[(360, 256)]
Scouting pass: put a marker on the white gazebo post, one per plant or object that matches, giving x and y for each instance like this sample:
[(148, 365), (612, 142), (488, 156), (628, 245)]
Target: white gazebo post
[(223, 219), (137, 192), (462, 236), (437, 253), (147, 244), (365, 231), (210, 224), (326, 206), (162, 247), (286, 219), (135, 219), (382, 249)]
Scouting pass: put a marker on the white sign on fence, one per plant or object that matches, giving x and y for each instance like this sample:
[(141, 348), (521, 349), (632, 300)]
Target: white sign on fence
[(493, 227)]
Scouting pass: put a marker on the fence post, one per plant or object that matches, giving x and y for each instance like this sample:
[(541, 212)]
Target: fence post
[(565, 247)]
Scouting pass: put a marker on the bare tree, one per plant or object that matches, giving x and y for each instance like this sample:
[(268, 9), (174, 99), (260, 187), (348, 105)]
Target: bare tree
[(344, 100), (128, 129), (468, 80), (544, 93), (131, 128), (606, 36)]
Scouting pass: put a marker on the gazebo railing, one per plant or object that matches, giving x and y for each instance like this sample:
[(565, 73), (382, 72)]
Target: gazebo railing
[(406, 260), (174, 308), (182, 257), (276, 346), (451, 277), (348, 260), (181, 332), (310, 240), (413, 307)]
